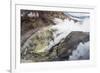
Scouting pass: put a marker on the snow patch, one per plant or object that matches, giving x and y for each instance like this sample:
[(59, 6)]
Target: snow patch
[(81, 52)]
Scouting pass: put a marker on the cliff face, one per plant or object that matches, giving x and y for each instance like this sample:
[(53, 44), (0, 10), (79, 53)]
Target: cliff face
[(51, 36)]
